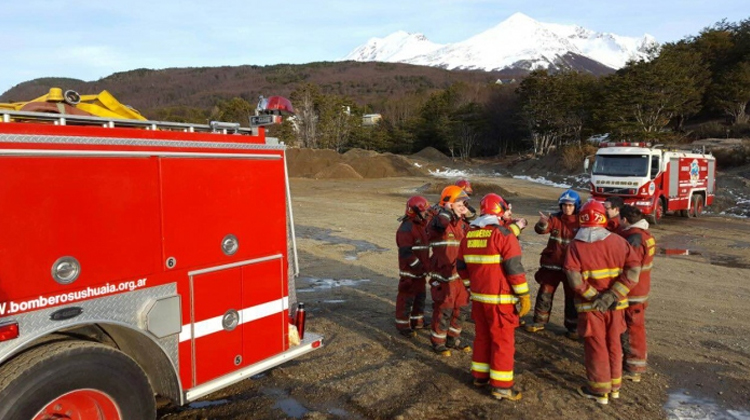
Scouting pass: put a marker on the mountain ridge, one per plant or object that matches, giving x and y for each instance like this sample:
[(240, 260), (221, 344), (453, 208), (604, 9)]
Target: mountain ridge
[(518, 39)]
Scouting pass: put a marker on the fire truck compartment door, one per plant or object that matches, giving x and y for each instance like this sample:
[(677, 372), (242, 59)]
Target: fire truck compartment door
[(265, 314), (215, 312), (674, 177), (711, 174)]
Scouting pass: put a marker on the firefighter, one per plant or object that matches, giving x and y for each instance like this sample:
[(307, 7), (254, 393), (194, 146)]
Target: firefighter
[(601, 268), (561, 227), (413, 263), (466, 186), (490, 256), (613, 205), (635, 231), (449, 294)]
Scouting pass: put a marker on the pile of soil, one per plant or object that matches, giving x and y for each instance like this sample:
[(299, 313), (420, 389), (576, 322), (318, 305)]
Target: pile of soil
[(359, 153), (308, 162), (432, 154), (354, 164), (338, 171)]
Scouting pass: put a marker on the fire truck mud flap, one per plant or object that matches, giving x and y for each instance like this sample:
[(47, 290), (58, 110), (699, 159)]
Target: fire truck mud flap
[(310, 343)]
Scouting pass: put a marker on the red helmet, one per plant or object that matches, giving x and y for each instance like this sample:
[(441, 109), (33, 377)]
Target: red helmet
[(416, 205), (592, 214), (493, 204), (451, 194), (465, 185)]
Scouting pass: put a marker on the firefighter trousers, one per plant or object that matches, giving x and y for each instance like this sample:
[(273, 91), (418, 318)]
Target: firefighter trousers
[(548, 281), (494, 343), (447, 301), (602, 349), (634, 338), (410, 302)]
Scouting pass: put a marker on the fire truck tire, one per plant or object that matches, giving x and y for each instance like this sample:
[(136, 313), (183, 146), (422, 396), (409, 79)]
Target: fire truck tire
[(657, 213), (75, 376), (696, 207)]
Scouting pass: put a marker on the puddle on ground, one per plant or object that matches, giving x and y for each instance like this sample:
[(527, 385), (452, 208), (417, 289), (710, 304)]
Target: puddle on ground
[(205, 404), (327, 235), (677, 251), (681, 406), (343, 414), (317, 284), (724, 260), (291, 407), (334, 301)]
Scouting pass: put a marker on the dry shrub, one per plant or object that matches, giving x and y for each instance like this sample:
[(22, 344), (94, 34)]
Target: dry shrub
[(573, 155), (732, 157)]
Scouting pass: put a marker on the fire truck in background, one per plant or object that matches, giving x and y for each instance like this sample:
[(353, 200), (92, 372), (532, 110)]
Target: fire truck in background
[(138, 258), (654, 179)]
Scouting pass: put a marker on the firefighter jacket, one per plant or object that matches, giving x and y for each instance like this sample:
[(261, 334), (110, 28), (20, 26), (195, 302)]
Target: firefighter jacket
[(599, 261), (511, 225), (490, 256), (562, 229), (613, 224), (445, 231), (644, 244), (413, 248)]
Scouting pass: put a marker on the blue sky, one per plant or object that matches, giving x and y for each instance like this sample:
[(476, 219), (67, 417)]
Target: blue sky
[(92, 39)]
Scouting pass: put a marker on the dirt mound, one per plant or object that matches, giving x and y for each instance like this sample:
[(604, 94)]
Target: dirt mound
[(356, 163), (385, 165), (338, 171), (308, 162), (433, 154), (359, 153)]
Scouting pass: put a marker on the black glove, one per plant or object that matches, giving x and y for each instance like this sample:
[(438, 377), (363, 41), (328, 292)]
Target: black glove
[(605, 301)]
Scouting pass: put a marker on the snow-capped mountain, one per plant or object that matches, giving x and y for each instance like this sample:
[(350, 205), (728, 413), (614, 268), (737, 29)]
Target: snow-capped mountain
[(518, 42)]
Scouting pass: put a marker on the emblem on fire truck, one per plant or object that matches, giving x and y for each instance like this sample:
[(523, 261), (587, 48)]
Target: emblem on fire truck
[(694, 172)]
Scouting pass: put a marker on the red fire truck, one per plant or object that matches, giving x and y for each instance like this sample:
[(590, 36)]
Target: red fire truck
[(138, 259), (654, 179)]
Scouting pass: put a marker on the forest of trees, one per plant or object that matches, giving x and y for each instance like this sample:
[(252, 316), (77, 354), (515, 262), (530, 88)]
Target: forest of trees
[(697, 87)]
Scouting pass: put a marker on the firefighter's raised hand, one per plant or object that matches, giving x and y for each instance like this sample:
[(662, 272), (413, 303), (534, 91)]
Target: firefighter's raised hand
[(544, 218)]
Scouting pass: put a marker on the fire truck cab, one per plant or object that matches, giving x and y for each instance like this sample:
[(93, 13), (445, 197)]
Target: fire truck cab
[(654, 179), (138, 259)]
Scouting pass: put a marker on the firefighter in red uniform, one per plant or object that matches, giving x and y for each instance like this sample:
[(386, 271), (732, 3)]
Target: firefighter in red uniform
[(413, 263), (601, 268), (490, 256), (562, 228), (466, 186), (613, 205), (449, 295), (635, 231)]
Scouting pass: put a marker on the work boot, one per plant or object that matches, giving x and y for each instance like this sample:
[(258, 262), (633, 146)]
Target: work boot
[(505, 394), (441, 350), (614, 394), (599, 398), (534, 327), (458, 344), (481, 382), (631, 376), (572, 335), (408, 333)]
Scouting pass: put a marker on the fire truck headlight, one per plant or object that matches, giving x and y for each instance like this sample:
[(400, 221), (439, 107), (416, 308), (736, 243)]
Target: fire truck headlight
[(229, 244), (66, 270)]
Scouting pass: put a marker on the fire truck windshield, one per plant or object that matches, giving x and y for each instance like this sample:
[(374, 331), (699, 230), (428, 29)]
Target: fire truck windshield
[(621, 165)]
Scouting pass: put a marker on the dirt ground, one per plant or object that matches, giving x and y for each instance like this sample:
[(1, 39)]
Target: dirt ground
[(698, 332)]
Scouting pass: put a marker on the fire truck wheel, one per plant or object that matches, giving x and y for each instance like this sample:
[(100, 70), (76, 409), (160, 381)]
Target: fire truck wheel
[(657, 213), (697, 205), (75, 380)]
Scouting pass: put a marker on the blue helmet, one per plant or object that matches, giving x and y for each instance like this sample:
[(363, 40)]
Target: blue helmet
[(571, 197)]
